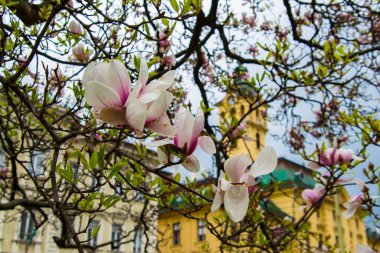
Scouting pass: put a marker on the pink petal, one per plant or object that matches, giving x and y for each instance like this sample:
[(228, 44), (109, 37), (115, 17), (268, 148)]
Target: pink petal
[(235, 167), (100, 96), (144, 72), (236, 201), (207, 144), (191, 163), (184, 122), (310, 196), (265, 162), (119, 79), (158, 143), (137, 114), (198, 125), (248, 179)]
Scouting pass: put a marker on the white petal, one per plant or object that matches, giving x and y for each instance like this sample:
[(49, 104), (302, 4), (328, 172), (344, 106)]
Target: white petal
[(164, 129), (236, 201), (163, 83), (148, 97), (235, 167), (191, 163), (218, 201), (157, 108), (265, 162), (158, 143), (207, 144), (137, 114), (144, 72), (101, 96), (359, 183), (162, 157), (349, 212), (135, 91)]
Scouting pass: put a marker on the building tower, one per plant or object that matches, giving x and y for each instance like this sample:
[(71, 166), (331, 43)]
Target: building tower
[(241, 96)]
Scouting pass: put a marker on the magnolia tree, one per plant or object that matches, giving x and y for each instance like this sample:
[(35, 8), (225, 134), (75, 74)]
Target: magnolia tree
[(82, 79)]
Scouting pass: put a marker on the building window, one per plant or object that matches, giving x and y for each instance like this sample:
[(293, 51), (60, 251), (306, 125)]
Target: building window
[(27, 228), (357, 223), (116, 235), (176, 233), (37, 163), (92, 241), (242, 109), (258, 140), (137, 241), (201, 231)]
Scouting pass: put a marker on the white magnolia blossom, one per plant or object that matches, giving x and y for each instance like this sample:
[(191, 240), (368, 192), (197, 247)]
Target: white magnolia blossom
[(234, 190)]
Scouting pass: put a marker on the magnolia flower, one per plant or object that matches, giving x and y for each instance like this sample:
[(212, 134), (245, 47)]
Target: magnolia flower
[(234, 190), (80, 54), (147, 104), (107, 87), (56, 75), (333, 156), (313, 195), (352, 205), (187, 138), (75, 27)]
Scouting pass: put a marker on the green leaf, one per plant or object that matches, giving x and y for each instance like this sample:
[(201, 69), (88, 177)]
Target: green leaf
[(95, 231), (175, 5), (165, 21), (93, 160)]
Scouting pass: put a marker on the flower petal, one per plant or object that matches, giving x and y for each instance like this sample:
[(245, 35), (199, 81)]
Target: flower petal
[(162, 157), (161, 128), (236, 201), (265, 162), (163, 83), (235, 167), (144, 72), (118, 79), (183, 121), (197, 127), (207, 144), (157, 108), (100, 96), (113, 116), (191, 163), (137, 114), (218, 201)]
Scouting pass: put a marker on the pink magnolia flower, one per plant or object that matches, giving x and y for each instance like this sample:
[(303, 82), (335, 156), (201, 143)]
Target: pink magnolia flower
[(147, 104), (351, 205), (188, 136), (333, 156), (107, 87), (75, 28), (313, 195), (56, 75), (80, 54), (169, 60), (234, 190)]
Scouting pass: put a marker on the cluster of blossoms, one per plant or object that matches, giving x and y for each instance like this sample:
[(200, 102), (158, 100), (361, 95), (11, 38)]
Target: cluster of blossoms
[(329, 158), (234, 189), (108, 89)]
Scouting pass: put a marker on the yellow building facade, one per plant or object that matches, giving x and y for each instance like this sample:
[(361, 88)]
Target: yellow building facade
[(326, 227), (120, 222)]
